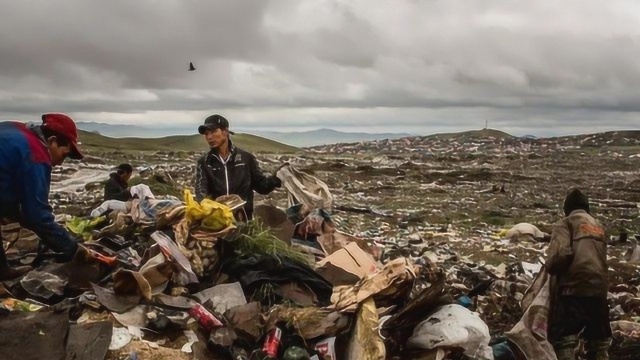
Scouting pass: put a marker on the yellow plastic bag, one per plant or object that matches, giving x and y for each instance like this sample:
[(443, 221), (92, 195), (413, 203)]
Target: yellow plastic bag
[(214, 215), (83, 226)]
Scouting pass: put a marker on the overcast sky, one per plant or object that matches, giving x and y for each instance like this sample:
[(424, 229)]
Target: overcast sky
[(541, 67)]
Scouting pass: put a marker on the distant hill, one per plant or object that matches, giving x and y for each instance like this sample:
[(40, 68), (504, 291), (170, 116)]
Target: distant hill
[(608, 138), (96, 142), (147, 138), (299, 139), (620, 138), (114, 130), (474, 135), (325, 136)]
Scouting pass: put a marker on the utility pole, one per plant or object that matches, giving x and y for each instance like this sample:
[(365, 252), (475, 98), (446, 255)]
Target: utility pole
[(486, 124)]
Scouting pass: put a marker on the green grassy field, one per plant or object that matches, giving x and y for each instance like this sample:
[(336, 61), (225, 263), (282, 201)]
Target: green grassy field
[(96, 142)]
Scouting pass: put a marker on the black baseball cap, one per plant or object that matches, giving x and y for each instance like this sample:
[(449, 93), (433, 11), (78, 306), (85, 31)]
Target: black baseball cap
[(214, 122)]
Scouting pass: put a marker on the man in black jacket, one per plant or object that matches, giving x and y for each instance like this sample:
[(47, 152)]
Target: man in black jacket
[(227, 170), (117, 187)]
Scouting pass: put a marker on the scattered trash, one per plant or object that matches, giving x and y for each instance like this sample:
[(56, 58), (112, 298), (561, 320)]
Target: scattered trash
[(212, 214), (204, 317), (347, 265), (224, 297), (370, 269), (305, 189), (529, 335), (327, 348), (43, 284), (192, 339), (365, 342), (633, 255), (519, 231), (296, 353), (135, 317)]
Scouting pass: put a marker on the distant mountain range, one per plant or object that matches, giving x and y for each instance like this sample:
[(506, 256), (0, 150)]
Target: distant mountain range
[(324, 136), (96, 143), (118, 131), (298, 139)]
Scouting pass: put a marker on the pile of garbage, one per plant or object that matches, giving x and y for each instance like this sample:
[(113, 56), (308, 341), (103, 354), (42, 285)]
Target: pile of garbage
[(181, 279)]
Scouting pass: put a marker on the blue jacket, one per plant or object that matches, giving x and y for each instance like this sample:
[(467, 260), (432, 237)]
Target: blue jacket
[(25, 176)]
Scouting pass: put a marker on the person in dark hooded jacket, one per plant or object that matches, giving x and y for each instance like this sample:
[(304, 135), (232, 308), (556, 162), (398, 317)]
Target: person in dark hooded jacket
[(577, 257), (227, 170), (117, 187)]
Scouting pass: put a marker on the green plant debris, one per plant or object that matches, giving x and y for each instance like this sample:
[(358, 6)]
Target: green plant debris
[(255, 238)]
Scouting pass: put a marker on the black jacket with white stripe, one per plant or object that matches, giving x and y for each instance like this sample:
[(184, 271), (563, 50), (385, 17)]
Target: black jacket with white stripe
[(239, 174)]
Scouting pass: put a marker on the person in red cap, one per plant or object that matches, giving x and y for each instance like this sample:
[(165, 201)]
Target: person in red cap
[(27, 153)]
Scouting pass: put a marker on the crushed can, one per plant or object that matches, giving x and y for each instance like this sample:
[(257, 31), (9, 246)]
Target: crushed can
[(272, 343), (204, 317)]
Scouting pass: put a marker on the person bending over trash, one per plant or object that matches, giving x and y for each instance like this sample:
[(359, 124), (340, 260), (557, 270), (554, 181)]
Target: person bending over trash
[(118, 194), (27, 154), (577, 257), (227, 170), (117, 187)]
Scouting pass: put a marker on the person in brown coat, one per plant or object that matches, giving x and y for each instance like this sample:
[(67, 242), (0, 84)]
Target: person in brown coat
[(577, 257)]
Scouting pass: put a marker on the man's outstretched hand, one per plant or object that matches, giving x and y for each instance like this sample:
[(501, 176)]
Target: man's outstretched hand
[(275, 172)]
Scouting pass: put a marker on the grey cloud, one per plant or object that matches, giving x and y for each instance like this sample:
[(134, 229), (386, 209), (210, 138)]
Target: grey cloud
[(500, 60)]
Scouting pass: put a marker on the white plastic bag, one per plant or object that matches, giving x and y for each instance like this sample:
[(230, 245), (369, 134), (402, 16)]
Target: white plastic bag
[(454, 326), (115, 205), (305, 189), (142, 191)]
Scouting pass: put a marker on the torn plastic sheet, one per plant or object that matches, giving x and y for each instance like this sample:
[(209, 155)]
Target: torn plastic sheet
[(531, 269), (192, 338), (119, 338), (223, 297), (135, 317), (629, 328), (43, 284), (152, 278), (171, 250), (113, 302), (633, 255), (304, 188)]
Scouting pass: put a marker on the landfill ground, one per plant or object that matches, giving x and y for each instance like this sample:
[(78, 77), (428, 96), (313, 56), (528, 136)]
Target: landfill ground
[(440, 202)]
